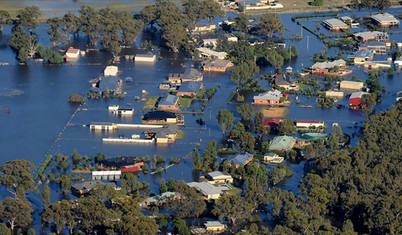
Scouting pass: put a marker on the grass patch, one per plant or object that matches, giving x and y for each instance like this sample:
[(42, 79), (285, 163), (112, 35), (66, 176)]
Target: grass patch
[(302, 86), (184, 102), (179, 135), (234, 190), (151, 103)]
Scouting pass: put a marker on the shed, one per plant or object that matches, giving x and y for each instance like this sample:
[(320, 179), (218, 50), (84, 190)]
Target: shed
[(335, 24), (220, 177), (355, 100), (145, 58), (73, 53), (111, 70), (309, 124), (350, 85)]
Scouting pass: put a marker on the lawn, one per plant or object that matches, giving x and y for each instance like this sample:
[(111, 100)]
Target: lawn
[(184, 102), (302, 86), (180, 134), (151, 103)]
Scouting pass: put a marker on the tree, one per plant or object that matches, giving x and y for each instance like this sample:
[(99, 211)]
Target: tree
[(191, 203), (110, 30), (286, 127), (258, 123), (241, 22), (4, 230), (103, 192), (46, 196), (16, 176), (208, 157), (130, 28), (75, 98), (232, 207), (129, 183), (16, 212), (137, 225), (162, 186), (277, 174), (5, 19), (225, 120), (246, 111), (91, 213), (193, 12), (28, 17), (89, 23), (369, 4), (59, 215), (243, 72), (65, 183), (149, 14), (337, 130), (69, 26), (355, 5), (247, 142), (196, 158), (382, 4), (180, 226), (171, 185), (54, 32), (317, 3), (211, 9), (270, 24)]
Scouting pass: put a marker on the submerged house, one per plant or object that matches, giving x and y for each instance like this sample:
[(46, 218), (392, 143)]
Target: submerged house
[(189, 75), (73, 53), (123, 112), (355, 100), (218, 177), (82, 188), (102, 126), (163, 117), (160, 199), (328, 68), (208, 190), (307, 138), (216, 65), (111, 83), (268, 98), (335, 24), (351, 85), (240, 159), (373, 35), (309, 124), (168, 103), (111, 71), (273, 158), (208, 53), (189, 88), (362, 56), (214, 226), (272, 123), (281, 80), (204, 27), (145, 58), (374, 46), (385, 20), (164, 135), (124, 164)]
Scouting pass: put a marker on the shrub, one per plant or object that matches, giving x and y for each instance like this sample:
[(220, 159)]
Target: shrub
[(75, 98)]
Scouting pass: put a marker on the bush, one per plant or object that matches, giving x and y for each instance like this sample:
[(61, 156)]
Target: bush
[(75, 98), (317, 3), (240, 98)]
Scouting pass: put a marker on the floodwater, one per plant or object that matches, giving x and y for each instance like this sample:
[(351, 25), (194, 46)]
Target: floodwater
[(36, 96)]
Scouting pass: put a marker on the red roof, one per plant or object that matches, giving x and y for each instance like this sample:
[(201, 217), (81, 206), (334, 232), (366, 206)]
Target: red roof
[(72, 50), (355, 101), (315, 122), (271, 122)]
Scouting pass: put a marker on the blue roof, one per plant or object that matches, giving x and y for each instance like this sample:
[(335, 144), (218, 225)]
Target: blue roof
[(190, 87), (364, 54), (239, 159), (109, 83), (169, 100)]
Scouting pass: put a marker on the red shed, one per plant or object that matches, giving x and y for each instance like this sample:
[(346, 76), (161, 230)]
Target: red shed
[(273, 123), (355, 99), (286, 95)]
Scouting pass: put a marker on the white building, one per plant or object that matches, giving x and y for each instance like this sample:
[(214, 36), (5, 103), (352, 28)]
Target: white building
[(309, 124), (111, 71), (145, 58)]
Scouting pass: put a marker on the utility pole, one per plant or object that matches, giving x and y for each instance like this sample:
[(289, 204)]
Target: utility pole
[(308, 42), (301, 31)]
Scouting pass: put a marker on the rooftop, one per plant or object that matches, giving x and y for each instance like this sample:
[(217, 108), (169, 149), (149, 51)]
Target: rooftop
[(282, 80), (217, 174), (369, 34), (205, 187), (358, 94), (209, 52), (312, 136), (145, 55), (335, 23), (213, 224), (239, 159), (118, 161), (373, 44), (328, 65), (383, 18), (159, 115), (88, 185), (271, 122), (217, 63), (169, 100), (270, 95), (281, 143), (161, 197), (191, 74), (109, 83), (363, 54), (190, 87), (308, 121), (102, 123)]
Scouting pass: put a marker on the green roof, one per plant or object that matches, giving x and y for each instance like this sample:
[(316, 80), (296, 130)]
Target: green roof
[(161, 197), (281, 143), (312, 137)]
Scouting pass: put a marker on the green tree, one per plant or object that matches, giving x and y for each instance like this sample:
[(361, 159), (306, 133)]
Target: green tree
[(180, 226), (241, 22), (90, 24), (191, 203), (246, 111), (28, 17), (269, 24), (162, 186), (16, 177), (16, 212), (130, 28), (337, 130), (149, 14), (211, 9), (137, 225), (225, 120), (286, 127), (59, 215), (369, 4), (243, 72), (171, 185), (103, 192), (69, 25), (258, 123), (355, 5), (5, 19), (54, 31), (75, 98), (208, 157), (129, 183), (4, 230), (247, 142), (193, 12), (232, 207), (45, 197), (196, 158), (65, 183), (382, 4)]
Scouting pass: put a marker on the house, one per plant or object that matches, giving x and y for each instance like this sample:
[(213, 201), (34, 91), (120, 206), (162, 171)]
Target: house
[(208, 190), (73, 53), (112, 108), (272, 123), (124, 164), (189, 75), (326, 67), (123, 112), (374, 46), (268, 98), (169, 103), (111, 83), (374, 35), (163, 117), (189, 88), (106, 175), (160, 199), (85, 187), (145, 58), (334, 24), (281, 80), (350, 85), (103, 126), (219, 177), (398, 62), (336, 94), (240, 159), (309, 124), (206, 52), (385, 20), (216, 65), (111, 71), (209, 42), (307, 138), (163, 135), (214, 226), (355, 100), (362, 56), (346, 19), (282, 143), (273, 158), (259, 5), (204, 27), (231, 37)]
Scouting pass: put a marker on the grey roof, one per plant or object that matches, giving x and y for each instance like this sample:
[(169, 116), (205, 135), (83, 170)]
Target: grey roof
[(358, 94), (373, 44), (328, 65), (191, 74), (282, 80), (102, 123), (386, 17), (109, 83), (212, 224), (269, 95), (88, 185), (169, 100), (346, 18), (217, 63), (281, 143), (334, 22), (167, 130), (239, 159), (145, 55), (369, 34), (190, 87), (205, 188), (363, 54), (217, 173)]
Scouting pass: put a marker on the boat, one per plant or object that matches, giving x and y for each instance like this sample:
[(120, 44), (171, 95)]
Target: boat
[(129, 79), (144, 92), (136, 97), (128, 104), (298, 102), (306, 106)]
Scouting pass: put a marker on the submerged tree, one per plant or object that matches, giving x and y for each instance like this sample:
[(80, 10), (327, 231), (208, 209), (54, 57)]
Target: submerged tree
[(28, 17), (16, 212), (270, 24), (5, 19), (225, 120), (16, 176)]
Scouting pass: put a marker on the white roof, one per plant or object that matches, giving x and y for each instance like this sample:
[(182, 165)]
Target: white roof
[(101, 173), (270, 95), (328, 65), (369, 34), (334, 22), (209, 52), (218, 173), (213, 224), (206, 188), (386, 17), (358, 94)]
